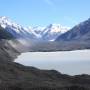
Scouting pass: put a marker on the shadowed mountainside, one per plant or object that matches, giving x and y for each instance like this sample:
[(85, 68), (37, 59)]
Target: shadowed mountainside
[(7, 52), (80, 32), (19, 77)]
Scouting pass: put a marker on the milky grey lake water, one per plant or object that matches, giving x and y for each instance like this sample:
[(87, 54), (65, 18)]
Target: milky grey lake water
[(67, 62)]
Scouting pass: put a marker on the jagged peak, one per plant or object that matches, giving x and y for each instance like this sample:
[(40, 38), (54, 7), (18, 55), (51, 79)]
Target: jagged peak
[(4, 19)]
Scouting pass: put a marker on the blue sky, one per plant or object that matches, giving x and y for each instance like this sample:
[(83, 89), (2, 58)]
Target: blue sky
[(44, 12)]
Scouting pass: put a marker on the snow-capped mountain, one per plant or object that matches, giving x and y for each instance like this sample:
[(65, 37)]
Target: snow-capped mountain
[(48, 33), (52, 31), (39, 38), (15, 29), (37, 30)]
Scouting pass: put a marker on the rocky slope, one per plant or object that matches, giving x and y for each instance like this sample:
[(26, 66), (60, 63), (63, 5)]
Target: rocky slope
[(7, 52), (19, 77)]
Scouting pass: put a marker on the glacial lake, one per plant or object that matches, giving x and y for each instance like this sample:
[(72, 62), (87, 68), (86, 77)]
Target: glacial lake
[(67, 62)]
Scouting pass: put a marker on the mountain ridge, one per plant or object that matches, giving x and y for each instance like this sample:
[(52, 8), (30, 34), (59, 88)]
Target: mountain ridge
[(52, 38), (30, 32), (77, 31)]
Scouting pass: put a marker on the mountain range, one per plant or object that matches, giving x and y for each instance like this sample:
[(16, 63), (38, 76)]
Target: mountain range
[(15, 39), (76, 38), (53, 37), (49, 32)]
